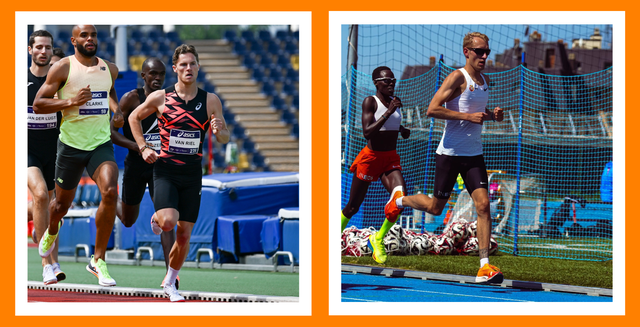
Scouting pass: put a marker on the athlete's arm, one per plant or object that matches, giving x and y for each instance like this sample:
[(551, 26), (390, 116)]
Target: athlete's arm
[(153, 104), (128, 103), (496, 114), (446, 92), (218, 124), (45, 103), (371, 126), (117, 118)]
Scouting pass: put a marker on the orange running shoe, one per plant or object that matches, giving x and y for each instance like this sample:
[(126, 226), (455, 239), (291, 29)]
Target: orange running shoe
[(489, 274), (391, 210)]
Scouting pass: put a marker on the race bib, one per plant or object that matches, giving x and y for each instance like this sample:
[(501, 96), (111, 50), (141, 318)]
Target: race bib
[(98, 105), (41, 121), (153, 140), (184, 142)]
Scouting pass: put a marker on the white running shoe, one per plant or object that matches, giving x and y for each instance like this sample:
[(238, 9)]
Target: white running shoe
[(48, 277), (177, 282), (99, 269), (60, 275), (171, 291), (155, 227)]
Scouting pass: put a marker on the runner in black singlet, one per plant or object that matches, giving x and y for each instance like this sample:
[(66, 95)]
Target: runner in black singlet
[(137, 173), (184, 113), (42, 137)]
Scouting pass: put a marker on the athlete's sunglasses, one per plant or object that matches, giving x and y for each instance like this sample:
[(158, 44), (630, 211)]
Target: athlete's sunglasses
[(480, 52), (386, 80)]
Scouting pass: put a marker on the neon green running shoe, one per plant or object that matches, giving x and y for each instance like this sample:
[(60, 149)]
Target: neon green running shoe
[(99, 269), (46, 244), (377, 247)]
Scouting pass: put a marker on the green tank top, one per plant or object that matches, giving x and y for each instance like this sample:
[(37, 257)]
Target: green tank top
[(87, 126)]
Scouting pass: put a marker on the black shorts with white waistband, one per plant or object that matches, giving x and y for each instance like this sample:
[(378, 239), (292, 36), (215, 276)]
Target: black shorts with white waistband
[(178, 187), (472, 169)]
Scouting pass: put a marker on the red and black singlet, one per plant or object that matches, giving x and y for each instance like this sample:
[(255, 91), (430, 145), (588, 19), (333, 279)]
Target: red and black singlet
[(182, 128)]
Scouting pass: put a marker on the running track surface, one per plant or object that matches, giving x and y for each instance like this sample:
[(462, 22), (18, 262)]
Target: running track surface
[(64, 296), (375, 288)]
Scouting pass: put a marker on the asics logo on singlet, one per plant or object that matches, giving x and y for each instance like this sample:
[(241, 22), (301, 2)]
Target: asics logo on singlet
[(29, 84), (186, 134), (152, 137), (97, 94), (199, 106)]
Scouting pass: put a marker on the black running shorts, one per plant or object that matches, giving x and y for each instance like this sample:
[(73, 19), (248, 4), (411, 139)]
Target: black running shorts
[(178, 187), (137, 174), (472, 170), (71, 162), (46, 161)]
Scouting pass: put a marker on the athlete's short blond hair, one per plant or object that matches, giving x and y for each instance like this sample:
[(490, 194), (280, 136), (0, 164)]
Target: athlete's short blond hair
[(467, 41)]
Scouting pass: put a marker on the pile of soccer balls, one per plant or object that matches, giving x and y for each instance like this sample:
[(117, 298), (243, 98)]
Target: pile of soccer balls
[(458, 238)]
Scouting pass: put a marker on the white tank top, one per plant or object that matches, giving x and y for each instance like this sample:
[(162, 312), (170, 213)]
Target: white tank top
[(393, 122), (462, 137)]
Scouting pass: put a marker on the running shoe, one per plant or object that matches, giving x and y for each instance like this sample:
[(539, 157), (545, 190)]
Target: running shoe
[(489, 274), (177, 282), (60, 275), (391, 210), (155, 227), (171, 291), (46, 244), (377, 247), (99, 269), (48, 277)]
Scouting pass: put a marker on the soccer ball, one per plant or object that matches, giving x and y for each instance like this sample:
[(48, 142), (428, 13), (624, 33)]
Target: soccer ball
[(421, 245), (493, 246), (471, 228), (444, 245), (457, 232), (471, 246)]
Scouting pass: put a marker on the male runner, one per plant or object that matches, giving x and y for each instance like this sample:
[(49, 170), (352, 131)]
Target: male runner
[(466, 93), (184, 114), (86, 93), (42, 137), (138, 173)]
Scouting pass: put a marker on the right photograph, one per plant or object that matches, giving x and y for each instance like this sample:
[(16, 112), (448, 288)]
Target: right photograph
[(477, 163)]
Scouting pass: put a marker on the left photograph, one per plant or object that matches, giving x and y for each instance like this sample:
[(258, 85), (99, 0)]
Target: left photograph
[(163, 163)]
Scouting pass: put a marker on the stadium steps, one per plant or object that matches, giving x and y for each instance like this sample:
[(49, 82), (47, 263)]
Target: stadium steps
[(251, 108)]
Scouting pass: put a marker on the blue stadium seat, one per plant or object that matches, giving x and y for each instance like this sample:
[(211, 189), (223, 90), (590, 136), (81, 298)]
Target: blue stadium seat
[(218, 160), (289, 88), (296, 35), (64, 36), (264, 35), (269, 89), (248, 35), (249, 146), (164, 46), (230, 35), (258, 160), (265, 61), (173, 36), (292, 75), (278, 103), (239, 48), (136, 35), (283, 35), (104, 36), (284, 61), (155, 34), (273, 47), (275, 75), (238, 132), (249, 60), (287, 117), (295, 130), (292, 48), (229, 117), (258, 74)]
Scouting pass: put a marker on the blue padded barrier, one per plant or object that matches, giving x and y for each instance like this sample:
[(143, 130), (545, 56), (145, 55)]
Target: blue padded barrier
[(238, 235)]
